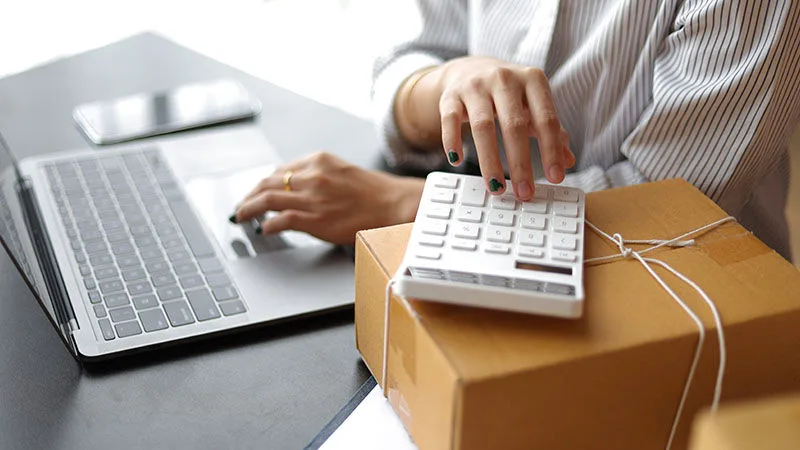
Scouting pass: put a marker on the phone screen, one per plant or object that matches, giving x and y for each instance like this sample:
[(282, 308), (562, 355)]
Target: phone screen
[(144, 115)]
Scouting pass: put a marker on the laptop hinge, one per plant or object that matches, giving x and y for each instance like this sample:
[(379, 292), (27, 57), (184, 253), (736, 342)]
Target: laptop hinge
[(65, 315)]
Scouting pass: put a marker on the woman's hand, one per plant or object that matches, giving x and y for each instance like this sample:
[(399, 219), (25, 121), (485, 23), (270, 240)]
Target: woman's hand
[(475, 90), (331, 199)]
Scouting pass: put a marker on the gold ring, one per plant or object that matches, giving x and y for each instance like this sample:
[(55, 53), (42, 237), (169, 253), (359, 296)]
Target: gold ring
[(287, 178)]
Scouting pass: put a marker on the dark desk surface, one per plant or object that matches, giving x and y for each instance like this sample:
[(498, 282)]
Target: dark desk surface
[(273, 387)]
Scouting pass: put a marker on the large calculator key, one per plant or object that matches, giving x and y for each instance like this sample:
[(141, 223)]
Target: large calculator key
[(533, 221), (438, 212), (527, 252), (564, 242), (565, 209), (443, 196), (469, 214), (427, 253), (474, 192), (446, 181), (565, 195), (565, 225), (431, 241), (437, 228), (501, 218), (467, 231), (192, 230), (497, 234), (562, 255), (535, 206), (531, 238), (505, 202), (497, 248), (462, 244)]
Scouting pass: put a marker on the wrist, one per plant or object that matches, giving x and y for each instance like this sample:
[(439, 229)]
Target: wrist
[(402, 199), (417, 108)]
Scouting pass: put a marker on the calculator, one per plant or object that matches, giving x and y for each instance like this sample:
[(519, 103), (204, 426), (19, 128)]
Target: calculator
[(492, 251)]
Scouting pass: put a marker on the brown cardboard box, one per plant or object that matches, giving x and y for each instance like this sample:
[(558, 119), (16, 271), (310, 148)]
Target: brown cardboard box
[(468, 378), (771, 424)]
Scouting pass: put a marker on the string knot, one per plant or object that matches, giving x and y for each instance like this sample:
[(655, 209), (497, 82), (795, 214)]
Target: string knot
[(624, 251)]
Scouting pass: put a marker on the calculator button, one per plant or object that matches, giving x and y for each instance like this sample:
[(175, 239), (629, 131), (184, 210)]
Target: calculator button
[(563, 242), (565, 225), (474, 192), (562, 255), (497, 234), (438, 212), (565, 209), (535, 206), (533, 221), (497, 248), (469, 214), (467, 230), (533, 238), (565, 195), (443, 196), (541, 191), (427, 253), (501, 218), (431, 241), (446, 181), (461, 244), (434, 227), (527, 252), (505, 202)]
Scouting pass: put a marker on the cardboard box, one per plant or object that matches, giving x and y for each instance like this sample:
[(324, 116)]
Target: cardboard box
[(772, 424), (469, 378)]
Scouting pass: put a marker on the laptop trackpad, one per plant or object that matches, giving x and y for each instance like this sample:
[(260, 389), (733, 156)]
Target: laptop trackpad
[(215, 196)]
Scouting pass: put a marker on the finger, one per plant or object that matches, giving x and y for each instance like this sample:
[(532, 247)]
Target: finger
[(545, 123), (270, 200), (453, 115), (275, 180), (481, 120), (288, 220), (567, 157), (513, 117)]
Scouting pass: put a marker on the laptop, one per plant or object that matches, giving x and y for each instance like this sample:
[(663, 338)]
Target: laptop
[(130, 248)]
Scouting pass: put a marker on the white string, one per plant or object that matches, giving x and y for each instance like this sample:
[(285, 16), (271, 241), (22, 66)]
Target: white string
[(625, 252)]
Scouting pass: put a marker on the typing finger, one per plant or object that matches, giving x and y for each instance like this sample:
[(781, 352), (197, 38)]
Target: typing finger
[(545, 123), (453, 115), (288, 220), (270, 200), (481, 119), (514, 120)]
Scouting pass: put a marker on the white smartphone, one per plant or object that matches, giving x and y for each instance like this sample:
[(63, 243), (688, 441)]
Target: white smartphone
[(150, 114)]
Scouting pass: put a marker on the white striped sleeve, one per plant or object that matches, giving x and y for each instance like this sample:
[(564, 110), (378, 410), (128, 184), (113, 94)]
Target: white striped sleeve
[(443, 36), (720, 89)]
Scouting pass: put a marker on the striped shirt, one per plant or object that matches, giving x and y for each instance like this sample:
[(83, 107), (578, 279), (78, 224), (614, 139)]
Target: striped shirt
[(704, 90)]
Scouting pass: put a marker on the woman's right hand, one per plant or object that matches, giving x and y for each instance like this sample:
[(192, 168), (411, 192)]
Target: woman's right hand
[(475, 90)]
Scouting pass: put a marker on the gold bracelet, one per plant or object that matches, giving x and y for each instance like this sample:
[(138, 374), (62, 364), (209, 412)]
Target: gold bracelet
[(408, 88)]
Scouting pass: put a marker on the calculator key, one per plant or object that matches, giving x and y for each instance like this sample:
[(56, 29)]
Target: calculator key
[(438, 212), (535, 206), (497, 234), (505, 202), (469, 214), (437, 228), (565, 225), (563, 242), (528, 252), (501, 218), (431, 241), (467, 231), (461, 244), (443, 196), (446, 181), (497, 248), (531, 238), (565, 195), (541, 191), (565, 209), (474, 192), (533, 221), (427, 253), (562, 255)]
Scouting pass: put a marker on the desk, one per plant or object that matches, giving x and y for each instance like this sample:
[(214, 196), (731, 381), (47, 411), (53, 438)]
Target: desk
[(273, 387)]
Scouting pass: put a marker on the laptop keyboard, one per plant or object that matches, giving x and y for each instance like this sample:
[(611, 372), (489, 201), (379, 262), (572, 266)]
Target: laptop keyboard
[(146, 263)]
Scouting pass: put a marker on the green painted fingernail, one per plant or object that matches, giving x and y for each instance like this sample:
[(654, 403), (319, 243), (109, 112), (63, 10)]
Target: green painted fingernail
[(259, 230), (495, 185), (232, 219), (452, 156)]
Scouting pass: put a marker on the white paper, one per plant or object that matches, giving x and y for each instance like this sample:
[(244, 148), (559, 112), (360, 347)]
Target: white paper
[(372, 425)]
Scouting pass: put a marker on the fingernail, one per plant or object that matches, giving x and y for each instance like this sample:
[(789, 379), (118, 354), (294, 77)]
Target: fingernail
[(452, 156), (259, 230), (495, 185), (556, 173), (232, 219), (523, 190)]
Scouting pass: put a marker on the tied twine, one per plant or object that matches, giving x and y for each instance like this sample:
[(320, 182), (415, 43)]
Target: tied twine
[(627, 253)]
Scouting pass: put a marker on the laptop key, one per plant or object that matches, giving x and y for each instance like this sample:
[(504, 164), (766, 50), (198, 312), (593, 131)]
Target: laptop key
[(85, 269), (218, 279), (106, 330), (99, 311), (151, 253), (134, 274), (117, 237), (153, 320), (169, 293), (192, 281), (101, 259), (122, 314), (110, 286), (94, 297), (208, 265), (116, 300), (192, 229), (163, 279), (145, 301), (106, 272), (178, 313), (140, 287), (127, 261), (231, 308), (157, 266), (89, 283), (178, 255), (225, 293), (93, 248), (126, 329), (122, 248), (202, 304)]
